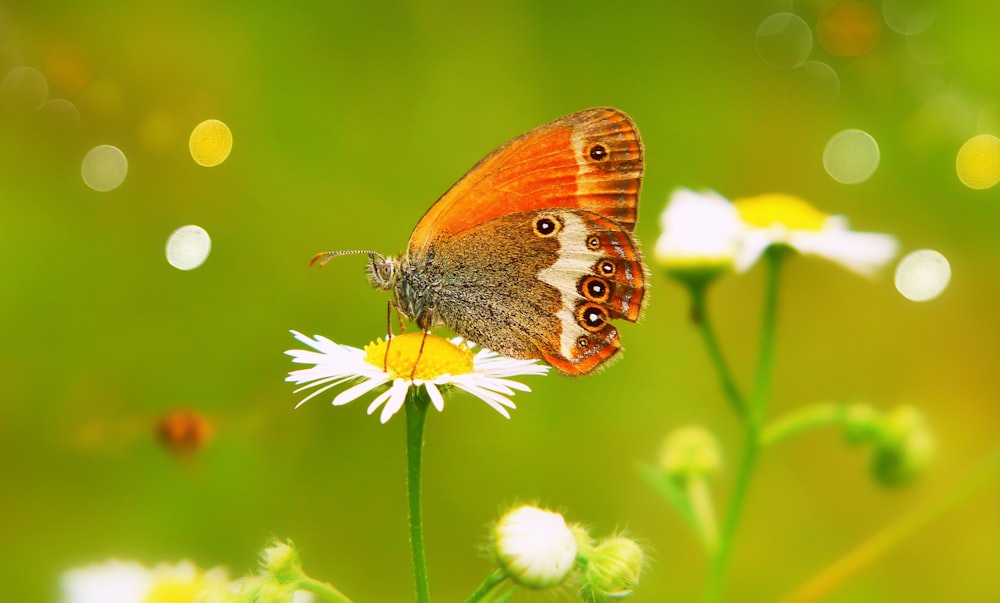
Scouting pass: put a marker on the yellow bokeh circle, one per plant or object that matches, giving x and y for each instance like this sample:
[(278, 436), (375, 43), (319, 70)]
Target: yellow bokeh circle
[(210, 143), (978, 162)]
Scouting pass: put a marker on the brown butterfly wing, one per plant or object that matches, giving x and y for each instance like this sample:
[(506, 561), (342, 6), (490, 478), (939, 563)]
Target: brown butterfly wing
[(528, 294), (589, 160)]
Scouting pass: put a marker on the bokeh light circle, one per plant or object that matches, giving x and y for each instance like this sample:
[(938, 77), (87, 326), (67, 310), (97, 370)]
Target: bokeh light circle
[(922, 275), (784, 40), (848, 28), (908, 17), (24, 89), (210, 143), (813, 83), (188, 247), (104, 168), (978, 162), (60, 114), (851, 156)]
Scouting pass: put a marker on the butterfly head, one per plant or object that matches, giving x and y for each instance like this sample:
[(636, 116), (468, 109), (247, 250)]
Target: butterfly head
[(383, 272)]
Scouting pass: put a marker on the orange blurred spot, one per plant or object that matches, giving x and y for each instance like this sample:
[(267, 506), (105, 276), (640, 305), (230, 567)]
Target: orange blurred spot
[(69, 66), (184, 432), (848, 28)]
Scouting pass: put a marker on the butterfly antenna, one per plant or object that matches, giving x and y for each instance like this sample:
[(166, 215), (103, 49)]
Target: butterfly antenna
[(326, 256)]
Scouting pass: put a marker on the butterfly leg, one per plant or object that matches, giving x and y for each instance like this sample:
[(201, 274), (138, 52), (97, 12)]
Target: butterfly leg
[(420, 353)]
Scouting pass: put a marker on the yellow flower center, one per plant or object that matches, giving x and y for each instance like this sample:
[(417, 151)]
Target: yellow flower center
[(170, 591), (401, 356), (764, 211)]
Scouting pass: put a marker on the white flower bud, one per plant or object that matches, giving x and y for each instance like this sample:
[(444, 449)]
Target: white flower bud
[(534, 547)]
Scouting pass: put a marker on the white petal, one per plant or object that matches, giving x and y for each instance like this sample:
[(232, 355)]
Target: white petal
[(754, 243), (435, 395), (333, 383), (860, 252), (380, 399), (355, 392), (396, 401)]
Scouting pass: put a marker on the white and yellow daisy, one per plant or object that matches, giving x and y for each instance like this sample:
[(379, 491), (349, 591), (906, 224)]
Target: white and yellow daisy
[(776, 219), (705, 235), (402, 365), (131, 582)]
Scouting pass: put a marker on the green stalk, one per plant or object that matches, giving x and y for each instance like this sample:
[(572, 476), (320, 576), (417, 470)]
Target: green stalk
[(416, 412), (493, 579), (322, 589), (813, 416), (754, 417), (699, 313)]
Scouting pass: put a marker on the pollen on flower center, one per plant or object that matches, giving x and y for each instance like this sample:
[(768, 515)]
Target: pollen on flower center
[(438, 357), (764, 211)]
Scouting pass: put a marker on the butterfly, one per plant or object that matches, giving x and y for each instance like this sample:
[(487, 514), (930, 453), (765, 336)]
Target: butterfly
[(531, 253)]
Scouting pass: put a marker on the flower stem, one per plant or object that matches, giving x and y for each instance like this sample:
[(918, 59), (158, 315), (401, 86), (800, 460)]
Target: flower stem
[(322, 589), (795, 422), (493, 579), (765, 359), (699, 313), (703, 511), (416, 412), (754, 417)]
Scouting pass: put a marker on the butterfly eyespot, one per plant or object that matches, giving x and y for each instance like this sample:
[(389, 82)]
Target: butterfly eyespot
[(594, 288), (593, 242), (547, 226), (591, 317), (582, 342), (606, 267), (598, 152)]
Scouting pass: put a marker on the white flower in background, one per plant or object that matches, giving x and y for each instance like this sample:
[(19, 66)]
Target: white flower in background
[(130, 582), (775, 219), (410, 360), (701, 234), (705, 235), (534, 547)]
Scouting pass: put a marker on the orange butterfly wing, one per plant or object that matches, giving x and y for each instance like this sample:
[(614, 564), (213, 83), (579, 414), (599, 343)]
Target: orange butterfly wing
[(587, 164), (549, 167)]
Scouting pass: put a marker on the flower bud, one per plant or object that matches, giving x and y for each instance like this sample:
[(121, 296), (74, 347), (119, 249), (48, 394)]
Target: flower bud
[(690, 452), (860, 423), (905, 448), (611, 569), (281, 560), (534, 547)]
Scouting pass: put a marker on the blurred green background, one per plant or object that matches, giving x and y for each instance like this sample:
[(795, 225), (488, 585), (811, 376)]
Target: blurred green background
[(349, 119)]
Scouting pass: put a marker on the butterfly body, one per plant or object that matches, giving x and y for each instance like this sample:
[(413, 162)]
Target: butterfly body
[(531, 253)]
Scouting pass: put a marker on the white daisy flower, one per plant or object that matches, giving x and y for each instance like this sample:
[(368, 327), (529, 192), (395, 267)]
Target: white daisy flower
[(130, 582), (705, 235), (783, 219), (402, 364)]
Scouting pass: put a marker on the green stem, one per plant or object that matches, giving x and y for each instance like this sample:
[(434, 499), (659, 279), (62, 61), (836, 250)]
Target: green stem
[(699, 313), (765, 361), (755, 414), (734, 513), (416, 412), (703, 510), (493, 579), (322, 589), (802, 419)]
